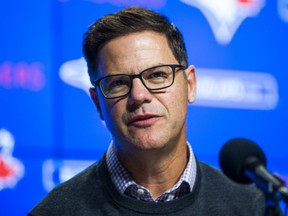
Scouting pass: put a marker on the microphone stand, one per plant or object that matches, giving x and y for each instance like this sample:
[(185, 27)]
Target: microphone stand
[(273, 198), (272, 205), (274, 191)]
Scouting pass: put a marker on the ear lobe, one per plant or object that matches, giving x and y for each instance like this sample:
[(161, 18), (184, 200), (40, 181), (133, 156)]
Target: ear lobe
[(95, 99), (191, 81)]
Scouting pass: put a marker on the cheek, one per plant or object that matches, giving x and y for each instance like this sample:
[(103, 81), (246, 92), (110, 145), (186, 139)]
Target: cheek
[(178, 103), (180, 91), (112, 113), (179, 108)]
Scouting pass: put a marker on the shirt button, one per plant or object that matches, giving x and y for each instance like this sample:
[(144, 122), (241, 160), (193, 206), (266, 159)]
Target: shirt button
[(140, 191)]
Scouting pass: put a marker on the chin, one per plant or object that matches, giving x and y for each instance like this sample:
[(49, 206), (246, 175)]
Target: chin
[(149, 144)]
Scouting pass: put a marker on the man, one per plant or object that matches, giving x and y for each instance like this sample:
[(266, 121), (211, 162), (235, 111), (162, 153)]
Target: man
[(137, 63)]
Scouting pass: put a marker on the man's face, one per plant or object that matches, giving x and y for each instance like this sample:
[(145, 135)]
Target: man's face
[(144, 119)]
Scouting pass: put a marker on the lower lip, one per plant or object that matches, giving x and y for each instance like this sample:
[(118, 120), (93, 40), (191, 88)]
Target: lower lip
[(145, 122)]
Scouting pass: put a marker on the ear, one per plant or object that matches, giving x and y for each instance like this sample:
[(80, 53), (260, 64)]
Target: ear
[(191, 81), (94, 96)]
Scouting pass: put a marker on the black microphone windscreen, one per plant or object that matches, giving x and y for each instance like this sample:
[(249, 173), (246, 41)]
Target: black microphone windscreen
[(234, 155)]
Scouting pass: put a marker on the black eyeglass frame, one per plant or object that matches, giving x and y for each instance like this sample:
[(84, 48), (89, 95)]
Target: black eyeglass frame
[(133, 76)]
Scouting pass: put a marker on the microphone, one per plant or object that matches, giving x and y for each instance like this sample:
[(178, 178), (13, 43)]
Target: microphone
[(243, 161)]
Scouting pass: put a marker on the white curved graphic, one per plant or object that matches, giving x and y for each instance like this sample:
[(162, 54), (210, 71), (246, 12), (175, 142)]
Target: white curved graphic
[(75, 74)]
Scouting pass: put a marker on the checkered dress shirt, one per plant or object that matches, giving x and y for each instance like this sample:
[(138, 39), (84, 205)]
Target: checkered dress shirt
[(126, 185)]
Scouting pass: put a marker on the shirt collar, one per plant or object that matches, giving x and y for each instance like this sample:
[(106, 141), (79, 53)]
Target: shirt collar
[(123, 181)]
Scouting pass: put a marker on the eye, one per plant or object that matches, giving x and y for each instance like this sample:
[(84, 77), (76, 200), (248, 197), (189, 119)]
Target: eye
[(118, 83), (115, 84), (157, 75)]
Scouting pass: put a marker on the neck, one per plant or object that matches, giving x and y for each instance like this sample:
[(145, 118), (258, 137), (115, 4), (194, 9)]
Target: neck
[(156, 170)]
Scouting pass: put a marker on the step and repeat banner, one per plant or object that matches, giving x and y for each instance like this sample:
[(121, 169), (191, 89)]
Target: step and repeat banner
[(50, 129)]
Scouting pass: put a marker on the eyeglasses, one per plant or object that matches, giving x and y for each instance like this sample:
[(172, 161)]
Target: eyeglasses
[(154, 78)]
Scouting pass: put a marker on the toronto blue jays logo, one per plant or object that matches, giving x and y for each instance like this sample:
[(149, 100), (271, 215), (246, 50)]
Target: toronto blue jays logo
[(11, 169), (225, 16)]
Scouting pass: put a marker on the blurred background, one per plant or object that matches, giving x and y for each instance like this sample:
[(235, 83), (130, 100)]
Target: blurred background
[(50, 129)]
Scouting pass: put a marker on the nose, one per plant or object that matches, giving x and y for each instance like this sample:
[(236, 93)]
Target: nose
[(139, 93)]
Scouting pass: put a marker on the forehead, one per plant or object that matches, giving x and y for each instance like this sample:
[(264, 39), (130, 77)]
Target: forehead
[(135, 52)]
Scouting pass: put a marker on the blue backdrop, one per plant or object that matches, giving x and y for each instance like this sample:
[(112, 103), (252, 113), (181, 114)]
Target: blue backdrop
[(49, 127)]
